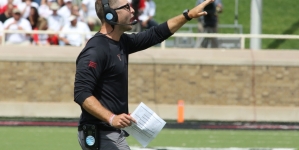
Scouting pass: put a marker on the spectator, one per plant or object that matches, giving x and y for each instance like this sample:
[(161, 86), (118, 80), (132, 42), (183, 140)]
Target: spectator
[(17, 23), (66, 10), (25, 7), (55, 23), (7, 14), (41, 39), (74, 39), (78, 13), (88, 7), (147, 15), (210, 22), (33, 17), (44, 9), (4, 7)]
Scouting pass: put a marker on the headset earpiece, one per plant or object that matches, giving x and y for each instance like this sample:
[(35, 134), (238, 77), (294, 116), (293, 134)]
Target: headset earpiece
[(110, 14)]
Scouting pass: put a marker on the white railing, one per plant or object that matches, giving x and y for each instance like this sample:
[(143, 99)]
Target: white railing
[(83, 34), (237, 27), (241, 36), (163, 45)]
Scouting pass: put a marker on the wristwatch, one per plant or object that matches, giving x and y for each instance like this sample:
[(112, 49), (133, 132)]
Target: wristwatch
[(185, 13)]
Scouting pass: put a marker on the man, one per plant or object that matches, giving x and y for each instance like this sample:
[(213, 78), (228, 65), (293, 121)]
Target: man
[(7, 14), (4, 7), (65, 11), (78, 13), (17, 23), (44, 9), (147, 16), (55, 23), (74, 39), (25, 7), (209, 23), (101, 80)]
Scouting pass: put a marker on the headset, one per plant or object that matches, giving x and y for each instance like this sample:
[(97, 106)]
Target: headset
[(111, 16)]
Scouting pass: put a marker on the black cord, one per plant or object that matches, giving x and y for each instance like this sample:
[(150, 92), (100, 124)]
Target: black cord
[(110, 31)]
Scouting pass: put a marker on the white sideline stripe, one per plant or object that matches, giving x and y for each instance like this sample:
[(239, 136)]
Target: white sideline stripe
[(169, 112), (232, 148)]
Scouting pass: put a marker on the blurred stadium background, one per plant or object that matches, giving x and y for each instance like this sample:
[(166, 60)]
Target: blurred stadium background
[(233, 99)]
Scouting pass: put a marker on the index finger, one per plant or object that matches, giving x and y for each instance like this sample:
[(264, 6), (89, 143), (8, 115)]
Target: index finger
[(131, 118), (206, 2)]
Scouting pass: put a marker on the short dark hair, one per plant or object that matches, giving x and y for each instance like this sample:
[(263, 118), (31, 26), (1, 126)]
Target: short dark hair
[(99, 8)]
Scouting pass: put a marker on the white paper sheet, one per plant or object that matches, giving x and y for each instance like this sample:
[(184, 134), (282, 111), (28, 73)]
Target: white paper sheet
[(149, 124)]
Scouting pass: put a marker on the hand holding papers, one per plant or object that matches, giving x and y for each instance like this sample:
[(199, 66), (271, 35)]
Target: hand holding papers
[(149, 124)]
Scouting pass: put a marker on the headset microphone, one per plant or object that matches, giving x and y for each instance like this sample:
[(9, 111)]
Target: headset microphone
[(132, 23), (111, 16)]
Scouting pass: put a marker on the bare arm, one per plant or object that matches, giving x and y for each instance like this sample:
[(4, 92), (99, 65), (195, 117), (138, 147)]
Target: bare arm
[(177, 22), (64, 40), (6, 28), (95, 108)]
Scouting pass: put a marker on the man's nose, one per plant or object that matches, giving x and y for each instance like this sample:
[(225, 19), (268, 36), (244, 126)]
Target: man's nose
[(132, 9)]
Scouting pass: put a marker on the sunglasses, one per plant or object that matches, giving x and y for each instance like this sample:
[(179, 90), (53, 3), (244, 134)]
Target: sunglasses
[(126, 6)]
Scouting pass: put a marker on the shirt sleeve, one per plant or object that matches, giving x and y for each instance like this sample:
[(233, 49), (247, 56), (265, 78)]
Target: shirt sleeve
[(89, 66), (147, 38)]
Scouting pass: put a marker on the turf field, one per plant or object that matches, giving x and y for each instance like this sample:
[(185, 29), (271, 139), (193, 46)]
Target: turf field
[(279, 17), (65, 138)]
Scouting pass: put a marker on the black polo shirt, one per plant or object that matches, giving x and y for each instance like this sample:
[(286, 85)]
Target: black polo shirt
[(102, 69)]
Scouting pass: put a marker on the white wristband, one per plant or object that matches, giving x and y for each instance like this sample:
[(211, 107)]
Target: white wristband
[(111, 120)]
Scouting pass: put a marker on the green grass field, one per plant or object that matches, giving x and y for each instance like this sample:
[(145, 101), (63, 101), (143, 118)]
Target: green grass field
[(65, 138), (279, 17)]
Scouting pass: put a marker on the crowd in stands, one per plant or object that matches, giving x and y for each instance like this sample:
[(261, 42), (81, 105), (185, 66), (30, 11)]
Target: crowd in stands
[(57, 16), (61, 17)]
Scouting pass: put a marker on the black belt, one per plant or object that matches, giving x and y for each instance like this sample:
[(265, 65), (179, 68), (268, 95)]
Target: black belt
[(101, 128)]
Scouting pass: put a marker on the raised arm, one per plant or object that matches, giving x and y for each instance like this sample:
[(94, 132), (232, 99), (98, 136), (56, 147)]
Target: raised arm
[(177, 22)]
